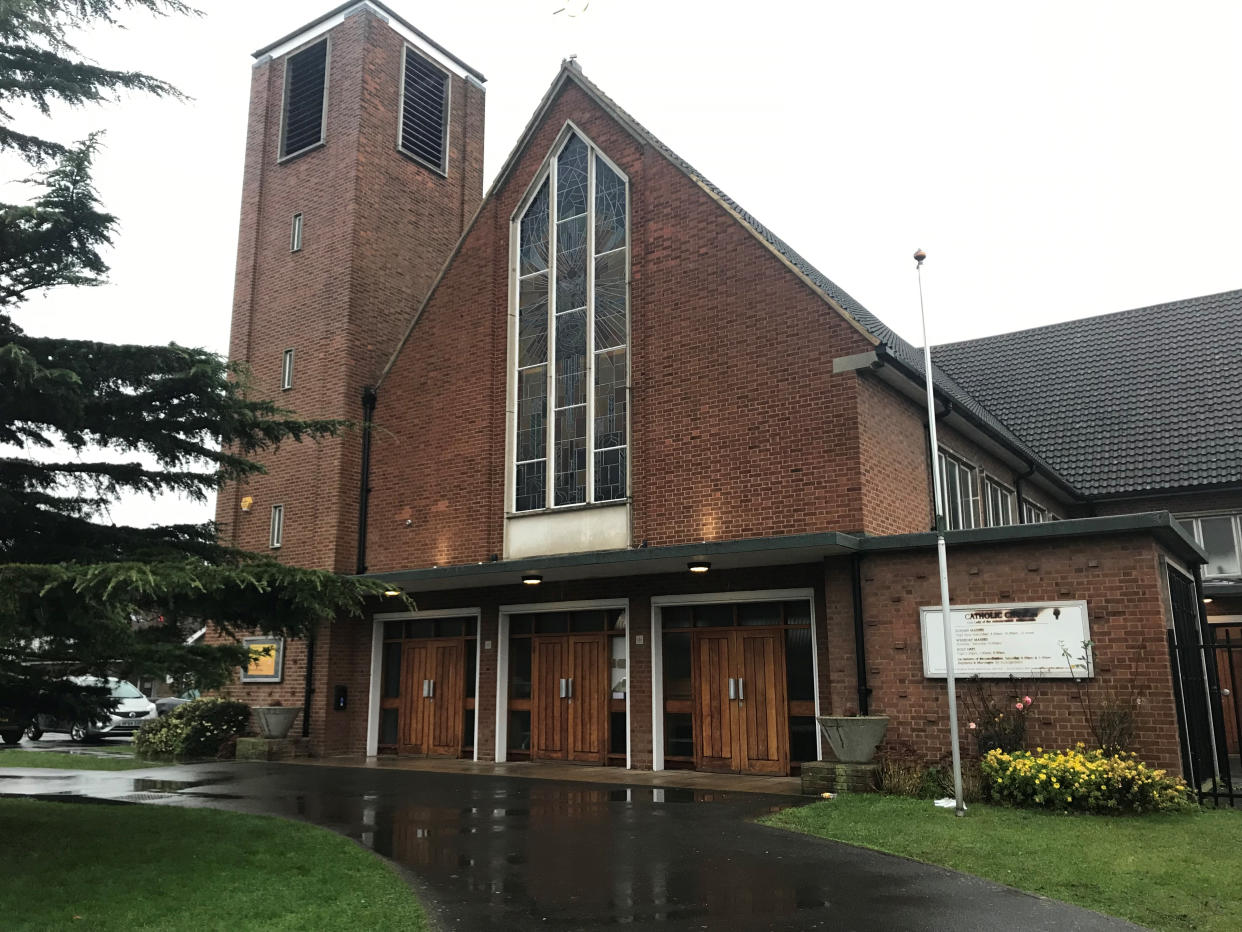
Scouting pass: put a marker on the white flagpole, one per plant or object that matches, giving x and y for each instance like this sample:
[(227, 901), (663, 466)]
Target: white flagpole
[(941, 554)]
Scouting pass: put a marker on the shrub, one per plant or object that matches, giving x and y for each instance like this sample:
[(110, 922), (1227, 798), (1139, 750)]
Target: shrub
[(1081, 780), (195, 729), (996, 724)]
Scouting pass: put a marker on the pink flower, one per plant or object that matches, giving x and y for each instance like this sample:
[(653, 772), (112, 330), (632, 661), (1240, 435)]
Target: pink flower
[(1019, 706), (971, 726), (1026, 699)]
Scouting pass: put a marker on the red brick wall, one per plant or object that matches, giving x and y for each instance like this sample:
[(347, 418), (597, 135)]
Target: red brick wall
[(731, 360), (377, 229), (1121, 579)]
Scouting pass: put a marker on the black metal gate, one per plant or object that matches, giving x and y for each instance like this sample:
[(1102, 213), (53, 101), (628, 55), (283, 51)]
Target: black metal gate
[(1207, 662)]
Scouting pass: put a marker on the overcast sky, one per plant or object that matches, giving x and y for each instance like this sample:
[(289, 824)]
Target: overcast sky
[(1054, 159)]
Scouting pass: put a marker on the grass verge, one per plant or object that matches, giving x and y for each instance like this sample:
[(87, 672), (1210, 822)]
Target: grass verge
[(66, 761), (1174, 871), (116, 867)]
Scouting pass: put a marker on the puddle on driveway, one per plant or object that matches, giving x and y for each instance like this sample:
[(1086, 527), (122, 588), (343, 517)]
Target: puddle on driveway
[(572, 856), (149, 785)]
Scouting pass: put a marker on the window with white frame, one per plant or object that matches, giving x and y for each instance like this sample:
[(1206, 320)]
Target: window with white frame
[(999, 500), (1034, 514), (286, 371), (1220, 536), (572, 333), (306, 83), (277, 533), (295, 234), (959, 492)]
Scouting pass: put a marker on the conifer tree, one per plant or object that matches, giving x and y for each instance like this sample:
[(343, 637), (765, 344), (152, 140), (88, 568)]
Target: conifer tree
[(79, 595)]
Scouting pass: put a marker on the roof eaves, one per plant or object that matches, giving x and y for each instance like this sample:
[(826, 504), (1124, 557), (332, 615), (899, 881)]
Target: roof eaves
[(386, 11)]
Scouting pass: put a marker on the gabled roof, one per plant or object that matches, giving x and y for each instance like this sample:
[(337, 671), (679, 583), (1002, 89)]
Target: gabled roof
[(889, 346), (1146, 400)]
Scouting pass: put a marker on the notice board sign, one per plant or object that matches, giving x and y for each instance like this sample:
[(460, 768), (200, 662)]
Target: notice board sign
[(267, 660), (995, 641)]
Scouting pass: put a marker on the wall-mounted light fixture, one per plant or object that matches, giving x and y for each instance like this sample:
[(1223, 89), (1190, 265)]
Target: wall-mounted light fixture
[(1207, 600), (247, 502), (698, 566), (531, 579)]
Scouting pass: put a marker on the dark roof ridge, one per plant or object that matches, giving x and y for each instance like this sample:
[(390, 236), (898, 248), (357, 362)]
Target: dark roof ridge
[(1066, 324)]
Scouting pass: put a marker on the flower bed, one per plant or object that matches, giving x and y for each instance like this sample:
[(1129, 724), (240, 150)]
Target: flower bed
[(1081, 780)]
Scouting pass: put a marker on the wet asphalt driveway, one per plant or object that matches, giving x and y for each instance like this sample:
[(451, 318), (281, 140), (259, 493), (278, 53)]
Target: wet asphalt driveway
[(505, 853)]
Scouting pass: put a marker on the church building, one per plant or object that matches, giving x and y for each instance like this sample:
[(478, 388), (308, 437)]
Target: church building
[(660, 489)]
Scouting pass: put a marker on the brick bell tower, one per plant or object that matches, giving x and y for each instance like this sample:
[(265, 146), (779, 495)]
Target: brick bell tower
[(364, 163)]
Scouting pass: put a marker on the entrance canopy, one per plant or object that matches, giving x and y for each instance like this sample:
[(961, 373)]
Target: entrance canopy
[(775, 551)]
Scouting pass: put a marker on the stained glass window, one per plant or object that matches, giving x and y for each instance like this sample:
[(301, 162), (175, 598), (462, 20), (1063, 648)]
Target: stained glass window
[(572, 334)]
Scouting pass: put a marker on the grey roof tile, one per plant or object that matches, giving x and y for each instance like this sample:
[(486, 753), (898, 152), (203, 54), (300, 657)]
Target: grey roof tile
[(1138, 401)]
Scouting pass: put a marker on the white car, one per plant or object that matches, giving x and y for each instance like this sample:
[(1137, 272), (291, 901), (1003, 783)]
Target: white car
[(132, 712)]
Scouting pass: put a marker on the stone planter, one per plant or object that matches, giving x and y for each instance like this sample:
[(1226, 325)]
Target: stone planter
[(853, 738), (275, 721)]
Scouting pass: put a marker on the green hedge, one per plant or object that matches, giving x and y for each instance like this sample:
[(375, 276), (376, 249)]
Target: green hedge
[(194, 729), (1081, 780)]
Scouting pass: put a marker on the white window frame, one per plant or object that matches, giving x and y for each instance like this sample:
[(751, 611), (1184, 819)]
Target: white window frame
[(965, 506), (276, 531), (377, 665), (295, 233), (1196, 519), (281, 154), (286, 370), (502, 665), (1010, 496), (660, 602), (1034, 513), (548, 172), (442, 168)]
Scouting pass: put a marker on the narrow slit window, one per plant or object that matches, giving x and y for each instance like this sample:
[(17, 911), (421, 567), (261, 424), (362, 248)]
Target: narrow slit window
[(424, 111), (306, 80), (295, 235), (959, 492), (286, 371), (278, 527)]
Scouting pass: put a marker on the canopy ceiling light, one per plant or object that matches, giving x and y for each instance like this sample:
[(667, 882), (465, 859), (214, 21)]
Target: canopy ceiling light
[(531, 579), (698, 566), (392, 592)]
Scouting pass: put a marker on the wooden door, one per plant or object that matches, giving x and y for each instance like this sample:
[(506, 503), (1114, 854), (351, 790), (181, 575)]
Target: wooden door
[(432, 697), (762, 706), (548, 698), (446, 666), (587, 716), (414, 705), (741, 716), (715, 707)]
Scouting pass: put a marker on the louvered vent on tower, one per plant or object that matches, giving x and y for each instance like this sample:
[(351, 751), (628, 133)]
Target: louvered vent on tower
[(305, 79), (424, 111)]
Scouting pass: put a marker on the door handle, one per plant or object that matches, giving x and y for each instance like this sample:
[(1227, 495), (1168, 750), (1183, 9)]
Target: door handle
[(741, 688), (426, 693), (571, 687), (431, 689), (563, 693), (732, 688)]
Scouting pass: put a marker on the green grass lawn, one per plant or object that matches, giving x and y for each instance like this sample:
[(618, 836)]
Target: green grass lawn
[(66, 761), (1170, 872), (110, 867)]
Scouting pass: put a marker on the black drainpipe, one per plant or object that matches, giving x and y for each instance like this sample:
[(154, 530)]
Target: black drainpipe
[(369, 400), (860, 644), (1017, 485), (306, 695)]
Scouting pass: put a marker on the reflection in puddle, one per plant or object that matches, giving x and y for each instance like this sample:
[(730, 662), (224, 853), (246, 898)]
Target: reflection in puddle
[(146, 785), (586, 857)]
